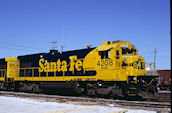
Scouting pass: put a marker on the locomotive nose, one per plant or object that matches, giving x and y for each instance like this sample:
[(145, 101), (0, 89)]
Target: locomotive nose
[(135, 65)]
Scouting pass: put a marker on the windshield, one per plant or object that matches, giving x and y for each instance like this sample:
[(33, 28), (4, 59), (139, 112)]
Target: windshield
[(128, 52)]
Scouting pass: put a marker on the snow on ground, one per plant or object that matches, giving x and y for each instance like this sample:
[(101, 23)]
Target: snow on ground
[(20, 105)]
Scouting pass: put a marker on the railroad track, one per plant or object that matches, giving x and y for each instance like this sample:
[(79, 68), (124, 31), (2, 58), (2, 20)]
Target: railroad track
[(156, 106)]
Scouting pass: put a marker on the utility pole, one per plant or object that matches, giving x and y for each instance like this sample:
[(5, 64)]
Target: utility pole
[(151, 68), (154, 61)]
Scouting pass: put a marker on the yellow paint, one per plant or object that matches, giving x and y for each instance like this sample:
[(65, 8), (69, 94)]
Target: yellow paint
[(72, 63), (64, 66), (41, 69), (78, 65), (53, 67), (12, 67), (131, 94), (60, 65), (107, 69), (3, 73)]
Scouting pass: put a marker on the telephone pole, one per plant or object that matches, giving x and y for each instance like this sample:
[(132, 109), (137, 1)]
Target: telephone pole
[(154, 61)]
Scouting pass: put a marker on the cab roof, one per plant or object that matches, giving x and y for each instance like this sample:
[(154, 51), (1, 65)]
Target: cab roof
[(107, 45)]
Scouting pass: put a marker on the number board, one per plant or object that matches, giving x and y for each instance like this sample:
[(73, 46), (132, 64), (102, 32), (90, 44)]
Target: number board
[(124, 45)]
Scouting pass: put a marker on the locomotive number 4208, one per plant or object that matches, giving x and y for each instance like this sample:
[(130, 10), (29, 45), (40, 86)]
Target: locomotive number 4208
[(105, 62)]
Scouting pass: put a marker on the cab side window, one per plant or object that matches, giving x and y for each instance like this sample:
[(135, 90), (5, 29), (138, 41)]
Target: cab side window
[(124, 52), (104, 54)]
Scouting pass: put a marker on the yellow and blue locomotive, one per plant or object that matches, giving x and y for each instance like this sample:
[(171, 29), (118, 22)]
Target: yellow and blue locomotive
[(114, 69)]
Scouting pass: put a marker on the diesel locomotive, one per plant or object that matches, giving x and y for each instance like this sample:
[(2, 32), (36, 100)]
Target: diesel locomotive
[(113, 69)]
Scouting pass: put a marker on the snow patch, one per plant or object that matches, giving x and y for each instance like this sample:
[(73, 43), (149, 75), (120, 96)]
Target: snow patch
[(20, 105)]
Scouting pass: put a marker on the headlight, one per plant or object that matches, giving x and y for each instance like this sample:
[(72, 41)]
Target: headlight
[(99, 84), (134, 78)]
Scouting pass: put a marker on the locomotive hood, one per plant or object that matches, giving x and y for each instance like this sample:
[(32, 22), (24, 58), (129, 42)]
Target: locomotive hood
[(135, 65)]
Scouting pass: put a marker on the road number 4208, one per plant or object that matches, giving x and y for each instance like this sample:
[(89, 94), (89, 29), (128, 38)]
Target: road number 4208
[(105, 62)]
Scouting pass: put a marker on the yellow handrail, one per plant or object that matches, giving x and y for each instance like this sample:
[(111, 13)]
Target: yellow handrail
[(1, 71)]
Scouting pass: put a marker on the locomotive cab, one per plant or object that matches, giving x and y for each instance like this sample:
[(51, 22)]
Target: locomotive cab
[(121, 58), (118, 61), (131, 61)]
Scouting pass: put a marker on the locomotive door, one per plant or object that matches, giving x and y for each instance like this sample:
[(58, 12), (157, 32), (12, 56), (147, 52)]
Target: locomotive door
[(117, 65), (104, 64)]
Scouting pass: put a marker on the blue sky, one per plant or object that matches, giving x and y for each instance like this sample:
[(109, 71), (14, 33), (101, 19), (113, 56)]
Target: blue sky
[(28, 26)]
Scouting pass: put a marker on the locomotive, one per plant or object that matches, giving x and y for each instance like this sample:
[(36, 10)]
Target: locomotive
[(113, 69)]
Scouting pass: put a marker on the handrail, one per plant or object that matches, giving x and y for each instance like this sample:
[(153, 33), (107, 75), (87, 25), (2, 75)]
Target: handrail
[(1, 71)]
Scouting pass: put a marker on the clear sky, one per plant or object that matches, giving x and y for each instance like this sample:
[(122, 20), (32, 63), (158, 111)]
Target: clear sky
[(28, 26)]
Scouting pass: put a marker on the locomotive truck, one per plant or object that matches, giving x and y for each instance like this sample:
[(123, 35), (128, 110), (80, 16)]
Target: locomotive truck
[(113, 69)]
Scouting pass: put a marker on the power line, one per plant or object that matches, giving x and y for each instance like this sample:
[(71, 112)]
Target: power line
[(18, 45), (12, 48)]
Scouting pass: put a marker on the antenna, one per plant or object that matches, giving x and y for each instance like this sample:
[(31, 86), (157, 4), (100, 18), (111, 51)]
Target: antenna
[(54, 45), (62, 46)]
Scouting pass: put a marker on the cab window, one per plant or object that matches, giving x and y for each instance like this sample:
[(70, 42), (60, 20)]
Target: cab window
[(104, 54), (124, 52), (128, 52)]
